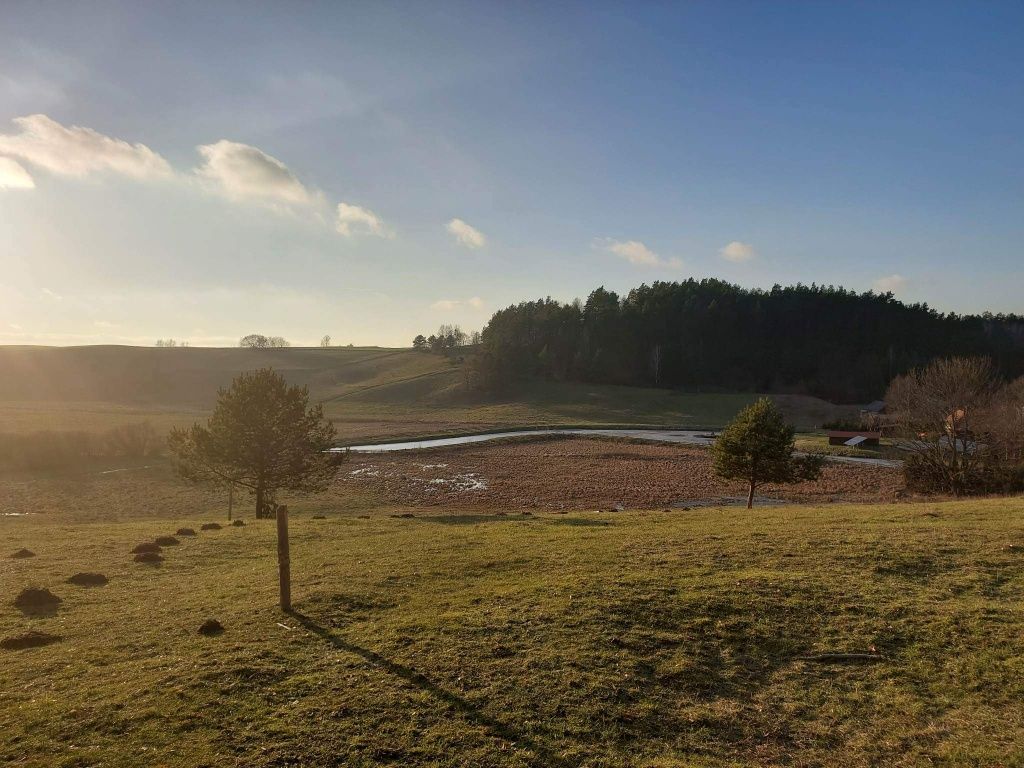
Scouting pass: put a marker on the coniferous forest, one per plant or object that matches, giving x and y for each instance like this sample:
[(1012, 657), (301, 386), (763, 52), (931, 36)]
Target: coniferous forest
[(709, 335)]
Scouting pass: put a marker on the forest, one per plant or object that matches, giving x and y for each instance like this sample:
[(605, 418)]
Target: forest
[(710, 335)]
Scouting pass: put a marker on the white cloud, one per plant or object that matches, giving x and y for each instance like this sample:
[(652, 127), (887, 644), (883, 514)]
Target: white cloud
[(51, 294), (13, 176), (636, 253), (354, 220), (78, 151), (738, 252), (240, 171), (446, 305), (106, 324), (466, 235), (890, 284)]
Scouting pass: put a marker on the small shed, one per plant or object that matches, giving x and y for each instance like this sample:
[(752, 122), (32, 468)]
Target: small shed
[(854, 439)]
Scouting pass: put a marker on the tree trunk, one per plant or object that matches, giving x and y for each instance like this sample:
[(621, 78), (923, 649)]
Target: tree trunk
[(231, 501), (750, 496), (260, 495), (284, 564)]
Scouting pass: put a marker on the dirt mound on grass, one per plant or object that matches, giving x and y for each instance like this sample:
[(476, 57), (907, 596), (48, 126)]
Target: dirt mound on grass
[(22, 553), (165, 541), (88, 580), (210, 527), (31, 639), (149, 557), (149, 546), (37, 600), (185, 532), (211, 627)]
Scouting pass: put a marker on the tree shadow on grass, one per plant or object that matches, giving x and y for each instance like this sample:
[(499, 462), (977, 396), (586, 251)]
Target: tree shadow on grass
[(474, 519), (580, 522), (472, 712)]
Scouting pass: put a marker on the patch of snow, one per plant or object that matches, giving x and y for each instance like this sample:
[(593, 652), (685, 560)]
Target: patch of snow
[(368, 471)]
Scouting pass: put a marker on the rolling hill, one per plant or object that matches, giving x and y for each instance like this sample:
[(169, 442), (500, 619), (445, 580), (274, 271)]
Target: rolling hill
[(369, 392)]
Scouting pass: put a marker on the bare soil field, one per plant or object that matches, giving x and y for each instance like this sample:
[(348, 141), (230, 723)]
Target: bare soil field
[(582, 473)]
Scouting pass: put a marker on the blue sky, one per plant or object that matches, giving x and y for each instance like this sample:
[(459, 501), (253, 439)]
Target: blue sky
[(178, 171)]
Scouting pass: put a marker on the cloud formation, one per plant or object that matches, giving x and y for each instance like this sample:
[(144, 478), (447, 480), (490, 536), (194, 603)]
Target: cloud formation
[(244, 172), (78, 151), (737, 252), (354, 220), (237, 171), (635, 252), (13, 176), (466, 235), (445, 305), (890, 284)]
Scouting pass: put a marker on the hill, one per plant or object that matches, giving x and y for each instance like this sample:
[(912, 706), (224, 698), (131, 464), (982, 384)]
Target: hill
[(369, 392)]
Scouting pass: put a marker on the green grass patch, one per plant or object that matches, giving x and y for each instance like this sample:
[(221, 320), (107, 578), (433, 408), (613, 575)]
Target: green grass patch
[(630, 639)]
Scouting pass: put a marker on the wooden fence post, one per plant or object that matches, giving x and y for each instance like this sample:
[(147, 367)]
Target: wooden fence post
[(284, 558)]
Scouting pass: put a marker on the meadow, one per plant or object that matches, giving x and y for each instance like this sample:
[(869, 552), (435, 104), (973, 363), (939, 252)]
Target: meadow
[(517, 627), (880, 634)]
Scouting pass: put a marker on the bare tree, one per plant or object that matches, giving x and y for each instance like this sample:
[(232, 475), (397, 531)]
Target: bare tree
[(255, 340), (1004, 425), (259, 341), (325, 341), (940, 412)]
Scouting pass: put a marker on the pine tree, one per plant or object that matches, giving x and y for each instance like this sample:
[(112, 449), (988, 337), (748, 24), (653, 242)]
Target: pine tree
[(757, 446)]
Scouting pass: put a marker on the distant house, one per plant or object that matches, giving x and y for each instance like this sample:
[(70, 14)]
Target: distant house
[(876, 406), (854, 439)]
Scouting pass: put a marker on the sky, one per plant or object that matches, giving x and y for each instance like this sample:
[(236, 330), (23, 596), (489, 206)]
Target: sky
[(372, 170)]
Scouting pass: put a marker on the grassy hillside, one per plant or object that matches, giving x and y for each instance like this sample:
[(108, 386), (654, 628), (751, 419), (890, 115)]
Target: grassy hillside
[(631, 639), (370, 393)]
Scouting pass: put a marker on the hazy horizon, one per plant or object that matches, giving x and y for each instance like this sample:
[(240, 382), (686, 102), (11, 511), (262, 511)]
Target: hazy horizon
[(371, 172)]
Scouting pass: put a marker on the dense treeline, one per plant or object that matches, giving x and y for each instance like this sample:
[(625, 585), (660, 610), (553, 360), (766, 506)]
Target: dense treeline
[(711, 335)]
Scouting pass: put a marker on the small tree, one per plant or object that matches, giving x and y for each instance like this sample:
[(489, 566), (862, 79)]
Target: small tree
[(263, 436), (757, 446), (419, 343), (325, 341)]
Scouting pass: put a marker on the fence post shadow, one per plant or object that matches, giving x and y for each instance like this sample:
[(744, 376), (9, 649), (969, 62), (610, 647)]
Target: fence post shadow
[(542, 755)]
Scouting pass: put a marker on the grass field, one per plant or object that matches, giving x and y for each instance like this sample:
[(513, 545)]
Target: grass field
[(369, 393), (581, 639)]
